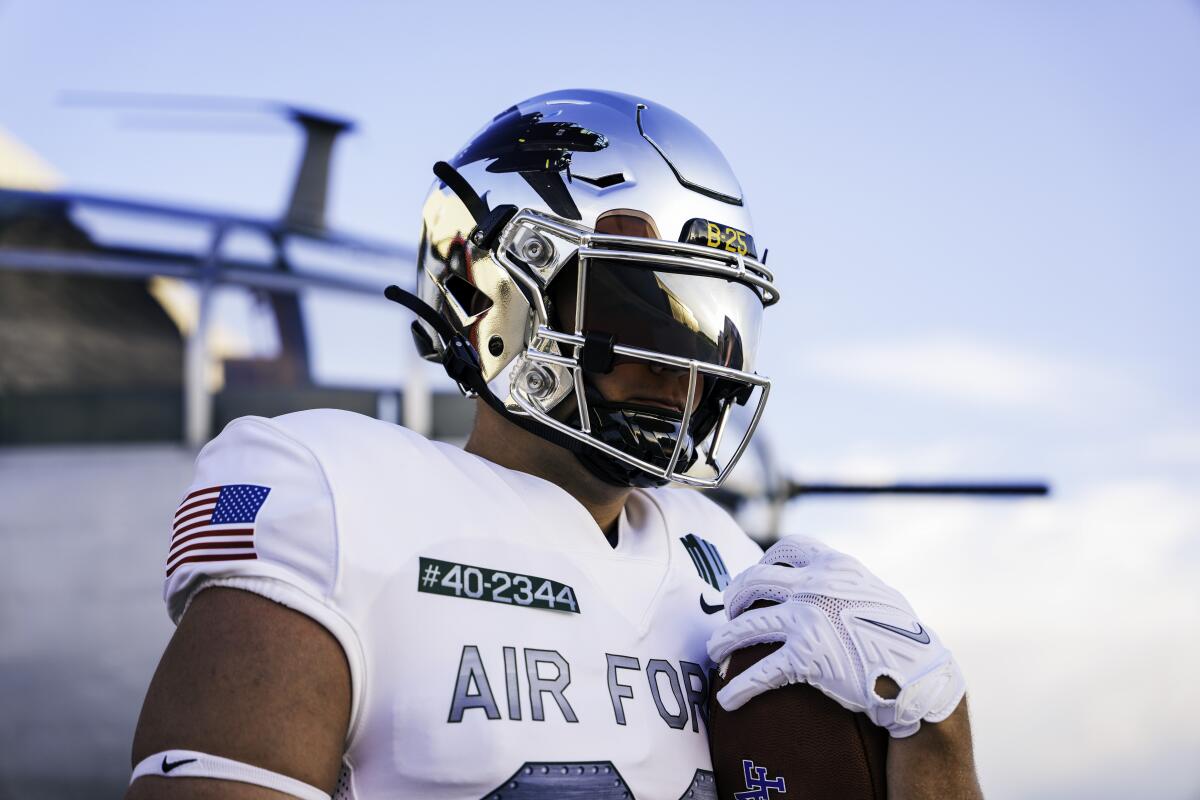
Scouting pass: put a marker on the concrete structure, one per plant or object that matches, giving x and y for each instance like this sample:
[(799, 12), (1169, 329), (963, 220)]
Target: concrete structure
[(84, 531)]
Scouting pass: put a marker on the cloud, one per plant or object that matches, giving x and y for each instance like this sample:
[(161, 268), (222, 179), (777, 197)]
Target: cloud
[(1074, 619), (956, 368), (1175, 448)]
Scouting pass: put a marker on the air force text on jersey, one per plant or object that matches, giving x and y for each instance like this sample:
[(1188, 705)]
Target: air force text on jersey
[(679, 692)]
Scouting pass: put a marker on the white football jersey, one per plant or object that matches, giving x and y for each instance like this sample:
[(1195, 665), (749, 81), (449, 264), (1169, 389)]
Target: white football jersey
[(498, 645)]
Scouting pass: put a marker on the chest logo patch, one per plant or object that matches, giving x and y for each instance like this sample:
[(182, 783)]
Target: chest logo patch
[(707, 560), (494, 586)]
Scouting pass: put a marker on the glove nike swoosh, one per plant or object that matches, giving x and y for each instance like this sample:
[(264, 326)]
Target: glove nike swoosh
[(919, 635)]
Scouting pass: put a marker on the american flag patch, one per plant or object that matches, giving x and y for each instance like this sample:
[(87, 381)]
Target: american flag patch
[(216, 524)]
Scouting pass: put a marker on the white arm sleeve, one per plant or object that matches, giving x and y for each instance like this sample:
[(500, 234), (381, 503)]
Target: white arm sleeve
[(259, 516)]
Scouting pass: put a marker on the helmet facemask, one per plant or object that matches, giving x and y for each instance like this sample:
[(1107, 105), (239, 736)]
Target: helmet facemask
[(614, 300)]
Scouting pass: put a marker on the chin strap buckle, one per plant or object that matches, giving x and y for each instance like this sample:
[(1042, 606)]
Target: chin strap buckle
[(461, 361), (488, 229), (462, 365), (458, 356)]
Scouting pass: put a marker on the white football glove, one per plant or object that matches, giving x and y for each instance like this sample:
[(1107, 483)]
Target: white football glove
[(842, 628)]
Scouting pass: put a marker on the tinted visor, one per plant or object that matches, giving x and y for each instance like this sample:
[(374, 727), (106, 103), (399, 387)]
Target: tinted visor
[(689, 315)]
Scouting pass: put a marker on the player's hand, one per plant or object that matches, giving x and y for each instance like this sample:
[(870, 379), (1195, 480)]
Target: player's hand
[(842, 629)]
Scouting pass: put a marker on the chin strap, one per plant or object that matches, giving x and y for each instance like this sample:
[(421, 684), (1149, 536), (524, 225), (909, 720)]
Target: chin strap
[(460, 359), (458, 356)]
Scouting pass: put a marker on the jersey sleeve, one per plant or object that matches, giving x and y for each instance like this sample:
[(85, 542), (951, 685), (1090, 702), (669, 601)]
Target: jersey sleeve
[(259, 516)]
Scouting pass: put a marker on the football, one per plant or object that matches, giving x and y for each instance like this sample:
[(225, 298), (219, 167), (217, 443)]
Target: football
[(793, 739)]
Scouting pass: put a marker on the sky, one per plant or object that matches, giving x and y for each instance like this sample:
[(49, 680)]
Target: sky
[(983, 220)]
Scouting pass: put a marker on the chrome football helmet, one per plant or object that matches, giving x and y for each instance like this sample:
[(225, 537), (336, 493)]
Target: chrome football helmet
[(580, 230)]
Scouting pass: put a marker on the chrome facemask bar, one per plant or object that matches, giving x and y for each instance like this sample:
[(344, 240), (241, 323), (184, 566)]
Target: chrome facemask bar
[(534, 248), (694, 368), (538, 246)]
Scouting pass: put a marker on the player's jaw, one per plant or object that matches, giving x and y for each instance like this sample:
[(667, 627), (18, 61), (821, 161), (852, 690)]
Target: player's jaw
[(638, 383)]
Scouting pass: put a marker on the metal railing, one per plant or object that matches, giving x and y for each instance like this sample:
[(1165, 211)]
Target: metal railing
[(207, 269)]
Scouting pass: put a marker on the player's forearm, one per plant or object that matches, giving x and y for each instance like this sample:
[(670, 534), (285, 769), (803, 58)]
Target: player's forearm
[(935, 762)]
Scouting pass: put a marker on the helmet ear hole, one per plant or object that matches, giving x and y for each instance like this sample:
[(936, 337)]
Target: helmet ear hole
[(472, 301)]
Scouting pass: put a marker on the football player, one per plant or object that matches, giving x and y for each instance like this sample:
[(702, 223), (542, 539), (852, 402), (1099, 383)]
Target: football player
[(365, 613)]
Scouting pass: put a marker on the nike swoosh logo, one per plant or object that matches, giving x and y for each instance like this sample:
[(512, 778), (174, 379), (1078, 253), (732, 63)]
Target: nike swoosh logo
[(919, 635), (707, 609), (167, 766)]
